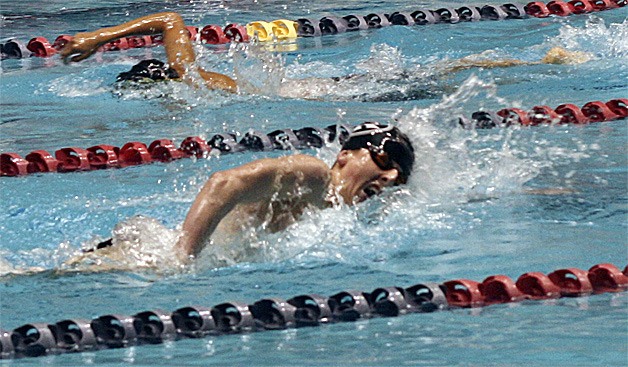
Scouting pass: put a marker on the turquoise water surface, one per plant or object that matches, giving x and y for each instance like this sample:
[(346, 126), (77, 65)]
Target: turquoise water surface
[(467, 211)]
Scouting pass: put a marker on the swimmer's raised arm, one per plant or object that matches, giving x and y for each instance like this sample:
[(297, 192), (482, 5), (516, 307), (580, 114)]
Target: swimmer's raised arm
[(179, 50), (254, 182)]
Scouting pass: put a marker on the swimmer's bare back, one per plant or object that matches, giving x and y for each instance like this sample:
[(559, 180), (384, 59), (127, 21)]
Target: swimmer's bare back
[(170, 25)]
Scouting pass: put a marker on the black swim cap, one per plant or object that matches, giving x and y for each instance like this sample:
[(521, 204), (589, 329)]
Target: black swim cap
[(148, 70), (378, 138)]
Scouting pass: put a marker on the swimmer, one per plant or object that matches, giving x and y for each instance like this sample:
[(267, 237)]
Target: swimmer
[(276, 191), (273, 193), (179, 50), (181, 58)]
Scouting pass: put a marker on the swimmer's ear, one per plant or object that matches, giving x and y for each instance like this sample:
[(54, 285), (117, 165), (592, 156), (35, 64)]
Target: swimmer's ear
[(342, 158)]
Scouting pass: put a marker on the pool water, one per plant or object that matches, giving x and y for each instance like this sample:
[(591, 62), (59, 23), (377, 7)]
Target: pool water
[(467, 212)]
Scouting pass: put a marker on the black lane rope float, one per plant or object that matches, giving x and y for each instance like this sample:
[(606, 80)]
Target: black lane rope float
[(283, 29), (103, 156), (157, 326)]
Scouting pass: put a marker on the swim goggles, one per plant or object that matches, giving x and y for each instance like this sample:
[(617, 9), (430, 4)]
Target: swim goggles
[(388, 146)]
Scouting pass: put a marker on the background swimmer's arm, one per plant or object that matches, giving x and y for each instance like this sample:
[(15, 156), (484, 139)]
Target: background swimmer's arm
[(250, 183), (556, 55), (178, 46)]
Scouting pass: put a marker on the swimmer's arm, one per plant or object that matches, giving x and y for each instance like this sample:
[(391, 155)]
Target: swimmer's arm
[(550, 191), (556, 55), (250, 183), (178, 46)]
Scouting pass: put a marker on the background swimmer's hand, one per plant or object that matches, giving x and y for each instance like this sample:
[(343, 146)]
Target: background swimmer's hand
[(559, 55), (82, 46)]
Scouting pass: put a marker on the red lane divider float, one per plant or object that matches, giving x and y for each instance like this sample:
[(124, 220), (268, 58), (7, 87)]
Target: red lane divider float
[(163, 150), (100, 157), (156, 326), (305, 27), (567, 113), (103, 156)]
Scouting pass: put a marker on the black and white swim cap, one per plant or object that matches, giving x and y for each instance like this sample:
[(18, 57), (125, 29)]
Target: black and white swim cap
[(148, 71), (379, 138)]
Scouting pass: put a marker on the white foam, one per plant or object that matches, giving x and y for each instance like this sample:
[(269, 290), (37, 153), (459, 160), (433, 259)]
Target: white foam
[(596, 37), (138, 243)]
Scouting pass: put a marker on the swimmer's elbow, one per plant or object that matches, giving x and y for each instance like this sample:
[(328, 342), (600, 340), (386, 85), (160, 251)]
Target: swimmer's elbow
[(185, 249), (173, 16), (220, 179)]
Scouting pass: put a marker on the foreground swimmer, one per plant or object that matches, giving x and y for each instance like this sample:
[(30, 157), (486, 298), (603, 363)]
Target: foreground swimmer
[(273, 193), (181, 57), (276, 191)]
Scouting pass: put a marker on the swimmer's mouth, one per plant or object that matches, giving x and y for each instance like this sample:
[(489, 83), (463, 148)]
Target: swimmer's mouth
[(369, 191)]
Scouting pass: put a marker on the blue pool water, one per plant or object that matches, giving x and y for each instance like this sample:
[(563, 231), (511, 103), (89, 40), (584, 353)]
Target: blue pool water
[(464, 214)]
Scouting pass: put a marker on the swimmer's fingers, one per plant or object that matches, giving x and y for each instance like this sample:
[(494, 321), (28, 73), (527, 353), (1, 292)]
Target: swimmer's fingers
[(80, 48), (73, 55), (559, 55), (80, 57), (69, 54)]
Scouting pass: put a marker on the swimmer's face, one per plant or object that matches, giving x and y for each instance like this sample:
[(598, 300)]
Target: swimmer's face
[(360, 177)]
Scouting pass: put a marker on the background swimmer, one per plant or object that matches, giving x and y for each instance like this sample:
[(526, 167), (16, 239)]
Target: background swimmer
[(181, 59), (179, 50)]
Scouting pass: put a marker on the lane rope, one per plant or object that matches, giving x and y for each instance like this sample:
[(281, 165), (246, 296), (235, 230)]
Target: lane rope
[(157, 326), (284, 29), (103, 156)]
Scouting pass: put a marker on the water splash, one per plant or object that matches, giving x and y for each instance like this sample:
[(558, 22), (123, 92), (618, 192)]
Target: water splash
[(453, 162), (604, 41), (454, 167), (75, 86), (382, 76), (256, 70), (138, 243), (384, 60)]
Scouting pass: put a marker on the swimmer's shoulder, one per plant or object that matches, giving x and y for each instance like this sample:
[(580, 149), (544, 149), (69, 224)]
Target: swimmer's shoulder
[(299, 170), (287, 171), (308, 165)]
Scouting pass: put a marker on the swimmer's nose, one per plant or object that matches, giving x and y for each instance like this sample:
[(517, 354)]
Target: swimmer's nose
[(389, 177)]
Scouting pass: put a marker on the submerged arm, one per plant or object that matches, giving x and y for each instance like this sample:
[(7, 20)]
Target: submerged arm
[(179, 50), (556, 55), (253, 182)]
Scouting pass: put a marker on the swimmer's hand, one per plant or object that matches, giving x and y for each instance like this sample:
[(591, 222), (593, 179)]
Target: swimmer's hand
[(82, 46), (559, 55)]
